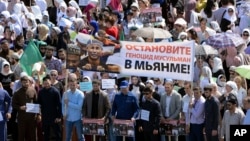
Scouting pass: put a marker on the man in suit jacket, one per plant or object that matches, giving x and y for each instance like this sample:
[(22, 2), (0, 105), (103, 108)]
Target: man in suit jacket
[(170, 104), (96, 103)]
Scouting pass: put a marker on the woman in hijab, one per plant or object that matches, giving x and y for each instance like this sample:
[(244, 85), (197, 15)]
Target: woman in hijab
[(7, 77), (229, 19), (78, 26), (43, 33), (206, 77), (231, 92), (221, 83), (46, 20), (217, 68), (74, 4), (94, 27), (62, 13), (31, 22), (88, 10), (16, 24), (246, 36), (54, 36)]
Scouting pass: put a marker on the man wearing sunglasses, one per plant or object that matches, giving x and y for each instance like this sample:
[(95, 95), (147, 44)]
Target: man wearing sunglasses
[(150, 116)]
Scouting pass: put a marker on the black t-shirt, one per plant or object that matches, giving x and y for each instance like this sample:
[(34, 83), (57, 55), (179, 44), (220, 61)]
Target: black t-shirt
[(6, 80)]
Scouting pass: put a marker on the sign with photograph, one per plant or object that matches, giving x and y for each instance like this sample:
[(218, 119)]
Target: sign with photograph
[(173, 128), (93, 127), (152, 15), (123, 128)]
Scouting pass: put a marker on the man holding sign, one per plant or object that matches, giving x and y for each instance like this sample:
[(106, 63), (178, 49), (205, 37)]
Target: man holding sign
[(26, 121), (96, 104), (150, 116), (125, 106)]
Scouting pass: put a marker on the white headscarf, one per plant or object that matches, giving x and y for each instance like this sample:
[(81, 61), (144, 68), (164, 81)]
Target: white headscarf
[(232, 18), (2, 71), (33, 20), (217, 64), (6, 14), (248, 31), (80, 23), (233, 85), (17, 9), (74, 4), (17, 25)]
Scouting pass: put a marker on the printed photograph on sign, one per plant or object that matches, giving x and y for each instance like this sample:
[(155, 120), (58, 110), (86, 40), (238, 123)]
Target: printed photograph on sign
[(123, 128), (152, 15), (97, 56), (73, 57)]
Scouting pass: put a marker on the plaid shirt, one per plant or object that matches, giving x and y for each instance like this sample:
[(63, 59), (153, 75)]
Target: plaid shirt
[(53, 64)]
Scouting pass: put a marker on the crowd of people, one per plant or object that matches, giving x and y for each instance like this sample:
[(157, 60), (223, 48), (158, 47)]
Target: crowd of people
[(217, 97)]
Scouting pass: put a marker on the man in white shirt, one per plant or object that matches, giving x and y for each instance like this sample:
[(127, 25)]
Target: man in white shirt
[(170, 104)]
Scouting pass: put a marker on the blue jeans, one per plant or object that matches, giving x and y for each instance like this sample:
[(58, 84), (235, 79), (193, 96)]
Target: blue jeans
[(69, 129)]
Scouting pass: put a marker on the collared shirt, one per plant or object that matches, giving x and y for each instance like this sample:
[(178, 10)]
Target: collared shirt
[(53, 64), (185, 105), (235, 118), (168, 100), (247, 118), (197, 113), (75, 102)]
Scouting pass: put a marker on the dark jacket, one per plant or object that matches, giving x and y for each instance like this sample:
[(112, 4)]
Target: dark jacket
[(50, 102), (20, 98), (212, 114), (154, 108)]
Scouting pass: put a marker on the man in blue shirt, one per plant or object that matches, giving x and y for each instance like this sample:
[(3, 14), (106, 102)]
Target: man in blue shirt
[(5, 112), (72, 103), (125, 106), (246, 103)]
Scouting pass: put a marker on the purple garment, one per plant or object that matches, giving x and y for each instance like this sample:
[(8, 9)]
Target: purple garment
[(198, 112), (53, 64), (190, 6)]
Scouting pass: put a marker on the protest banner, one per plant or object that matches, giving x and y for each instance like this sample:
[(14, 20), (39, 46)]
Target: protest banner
[(123, 128), (169, 60), (93, 127)]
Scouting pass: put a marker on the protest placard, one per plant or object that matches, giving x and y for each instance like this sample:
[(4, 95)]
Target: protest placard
[(173, 128), (123, 128), (85, 86), (93, 127), (108, 83), (151, 15), (73, 57)]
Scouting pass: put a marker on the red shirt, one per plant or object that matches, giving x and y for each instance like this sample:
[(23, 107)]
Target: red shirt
[(113, 31)]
